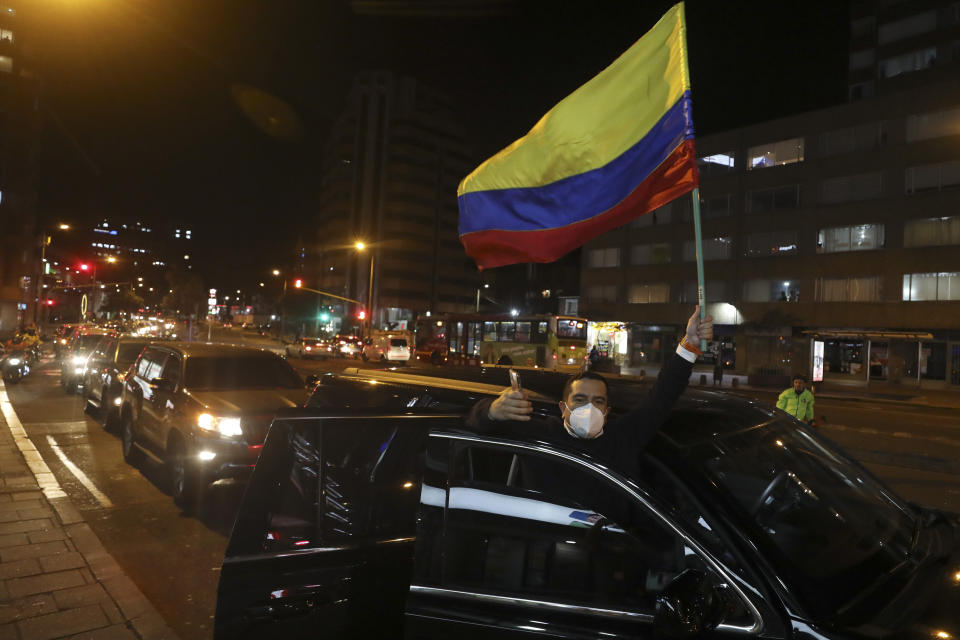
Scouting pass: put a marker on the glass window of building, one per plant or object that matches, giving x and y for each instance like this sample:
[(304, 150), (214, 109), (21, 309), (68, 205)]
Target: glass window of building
[(782, 198), (851, 188), (862, 59), (932, 177), (6, 64), (609, 257), (650, 254), (862, 137), (713, 249), (6, 34), (936, 124), (908, 62), (856, 289), (716, 164), (775, 154), (931, 286), (765, 290), (648, 293), (931, 232), (716, 206), (862, 27), (602, 293), (861, 237), (861, 90), (907, 27), (771, 243), (716, 291)]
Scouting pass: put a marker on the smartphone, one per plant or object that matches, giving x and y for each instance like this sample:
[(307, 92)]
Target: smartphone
[(515, 380)]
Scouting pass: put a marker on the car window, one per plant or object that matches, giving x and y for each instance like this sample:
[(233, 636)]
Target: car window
[(240, 372), (86, 343), (105, 348), (539, 527), (171, 370), (128, 352), (398, 342), (151, 364)]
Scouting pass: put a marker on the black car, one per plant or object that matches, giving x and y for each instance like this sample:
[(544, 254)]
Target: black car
[(375, 513), (105, 370), (203, 410), (73, 361)]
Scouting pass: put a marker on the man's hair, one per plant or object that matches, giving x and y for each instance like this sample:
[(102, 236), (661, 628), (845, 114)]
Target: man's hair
[(799, 376), (584, 375)]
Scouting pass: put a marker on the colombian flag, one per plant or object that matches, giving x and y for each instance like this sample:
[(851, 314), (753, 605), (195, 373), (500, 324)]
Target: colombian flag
[(618, 147)]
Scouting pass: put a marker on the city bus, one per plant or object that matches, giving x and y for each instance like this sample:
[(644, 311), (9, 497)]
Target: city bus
[(536, 340)]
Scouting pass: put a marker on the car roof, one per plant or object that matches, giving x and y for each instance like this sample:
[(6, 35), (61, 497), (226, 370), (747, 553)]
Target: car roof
[(209, 349)]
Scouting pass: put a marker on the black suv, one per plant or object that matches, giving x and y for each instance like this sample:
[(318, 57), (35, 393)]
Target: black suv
[(375, 513), (105, 370), (203, 410)]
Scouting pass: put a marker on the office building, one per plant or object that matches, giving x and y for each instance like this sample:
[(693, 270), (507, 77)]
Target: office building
[(389, 179)]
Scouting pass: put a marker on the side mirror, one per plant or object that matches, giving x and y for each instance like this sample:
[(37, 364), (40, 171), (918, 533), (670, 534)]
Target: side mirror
[(161, 384), (312, 380), (689, 606)]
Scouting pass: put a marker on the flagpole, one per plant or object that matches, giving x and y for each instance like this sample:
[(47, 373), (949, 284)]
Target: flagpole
[(698, 238)]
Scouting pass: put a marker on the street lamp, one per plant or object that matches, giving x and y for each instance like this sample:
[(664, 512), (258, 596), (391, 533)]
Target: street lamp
[(486, 286), (360, 246)]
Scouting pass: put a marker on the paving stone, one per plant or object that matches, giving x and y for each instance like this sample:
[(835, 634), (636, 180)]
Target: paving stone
[(25, 525), (19, 568), (38, 605), (34, 512), (10, 554), (13, 539), (114, 632), (27, 495), (47, 536), (20, 504), (81, 596), (62, 562), (44, 582), (9, 632), (5, 497), (150, 626), (87, 576), (127, 596), (19, 481), (63, 623), (113, 612)]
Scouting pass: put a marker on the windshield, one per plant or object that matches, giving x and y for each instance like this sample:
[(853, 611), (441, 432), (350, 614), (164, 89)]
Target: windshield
[(129, 351), (240, 372), (88, 342), (398, 342), (567, 328), (827, 525)]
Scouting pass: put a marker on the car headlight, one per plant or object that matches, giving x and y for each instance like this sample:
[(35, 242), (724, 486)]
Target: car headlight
[(78, 360), (63, 341), (14, 361), (229, 427)]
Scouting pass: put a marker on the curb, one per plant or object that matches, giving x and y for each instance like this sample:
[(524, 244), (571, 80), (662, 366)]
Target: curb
[(138, 613)]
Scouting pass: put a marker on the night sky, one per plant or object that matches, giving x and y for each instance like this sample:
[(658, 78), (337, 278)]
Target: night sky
[(141, 124)]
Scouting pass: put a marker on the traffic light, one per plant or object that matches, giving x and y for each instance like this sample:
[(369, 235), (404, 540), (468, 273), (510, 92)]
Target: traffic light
[(361, 315), (298, 283), (324, 317)]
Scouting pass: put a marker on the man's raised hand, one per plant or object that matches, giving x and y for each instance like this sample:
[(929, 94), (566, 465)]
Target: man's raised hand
[(699, 329), (510, 405)]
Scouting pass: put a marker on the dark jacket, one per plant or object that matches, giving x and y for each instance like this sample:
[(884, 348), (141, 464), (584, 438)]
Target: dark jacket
[(622, 439)]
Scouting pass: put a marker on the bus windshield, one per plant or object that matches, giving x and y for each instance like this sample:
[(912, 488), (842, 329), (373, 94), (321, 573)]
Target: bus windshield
[(571, 328)]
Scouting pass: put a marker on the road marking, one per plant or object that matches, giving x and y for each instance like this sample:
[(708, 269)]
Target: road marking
[(45, 478), (80, 475)]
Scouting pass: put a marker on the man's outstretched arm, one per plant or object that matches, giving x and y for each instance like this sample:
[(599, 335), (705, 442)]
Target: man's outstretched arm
[(643, 421)]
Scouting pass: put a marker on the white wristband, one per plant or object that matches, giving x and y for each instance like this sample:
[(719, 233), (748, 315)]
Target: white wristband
[(689, 356)]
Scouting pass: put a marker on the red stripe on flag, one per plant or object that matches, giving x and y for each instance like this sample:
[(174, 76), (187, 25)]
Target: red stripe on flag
[(675, 176)]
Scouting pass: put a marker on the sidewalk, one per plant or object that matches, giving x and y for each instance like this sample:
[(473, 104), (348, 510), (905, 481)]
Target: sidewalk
[(56, 578), (881, 393)]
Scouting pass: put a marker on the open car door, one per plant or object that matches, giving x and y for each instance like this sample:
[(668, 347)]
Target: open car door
[(323, 543)]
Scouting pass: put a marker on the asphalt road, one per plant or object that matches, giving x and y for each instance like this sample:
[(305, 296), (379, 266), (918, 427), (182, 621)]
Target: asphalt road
[(175, 558)]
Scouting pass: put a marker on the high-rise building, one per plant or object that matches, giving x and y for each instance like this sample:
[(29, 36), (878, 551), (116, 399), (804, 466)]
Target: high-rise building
[(20, 124), (899, 44), (391, 168)]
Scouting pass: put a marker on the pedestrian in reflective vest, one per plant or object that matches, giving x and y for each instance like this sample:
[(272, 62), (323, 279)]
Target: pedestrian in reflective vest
[(797, 401)]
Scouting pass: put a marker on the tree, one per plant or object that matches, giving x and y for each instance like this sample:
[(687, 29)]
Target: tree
[(185, 292), (122, 300)]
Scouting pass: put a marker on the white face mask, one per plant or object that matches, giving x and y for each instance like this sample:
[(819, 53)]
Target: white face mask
[(585, 422)]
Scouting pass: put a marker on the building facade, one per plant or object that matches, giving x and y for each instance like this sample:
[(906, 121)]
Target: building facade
[(840, 225), (391, 168), (20, 129)]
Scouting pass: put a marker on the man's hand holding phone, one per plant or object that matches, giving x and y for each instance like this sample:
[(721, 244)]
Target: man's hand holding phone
[(512, 403)]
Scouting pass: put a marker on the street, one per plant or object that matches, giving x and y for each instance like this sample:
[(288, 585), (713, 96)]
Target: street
[(175, 558)]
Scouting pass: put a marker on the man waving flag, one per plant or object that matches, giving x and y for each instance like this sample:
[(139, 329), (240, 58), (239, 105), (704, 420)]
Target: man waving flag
[(618, 147)]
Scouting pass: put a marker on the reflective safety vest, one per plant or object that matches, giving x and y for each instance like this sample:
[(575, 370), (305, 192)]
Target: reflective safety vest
[(799, 406)]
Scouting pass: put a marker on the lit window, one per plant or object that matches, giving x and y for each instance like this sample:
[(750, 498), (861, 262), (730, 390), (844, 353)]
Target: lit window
[(717, 164), (765, 290), (775, 154), (936, 124), (609, 257), (6, 64), (858, 289), (931, 286), (862, 237), (648, 293), (908, 62)]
